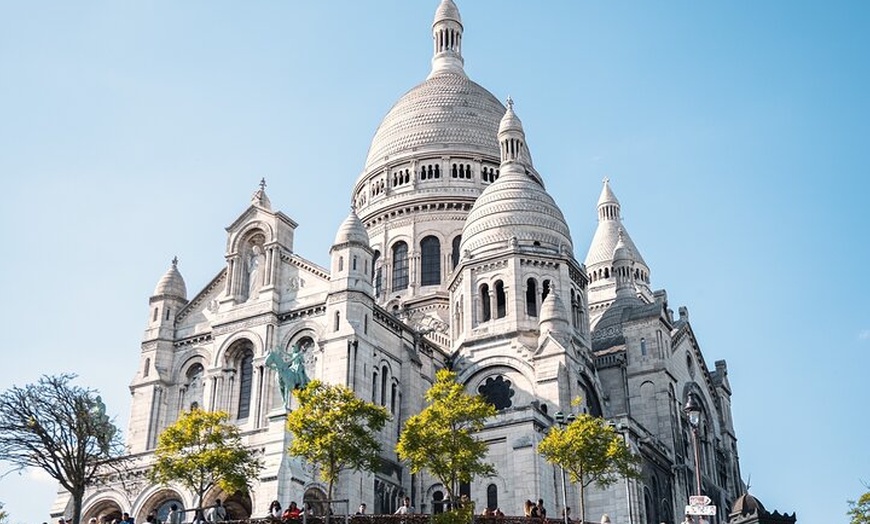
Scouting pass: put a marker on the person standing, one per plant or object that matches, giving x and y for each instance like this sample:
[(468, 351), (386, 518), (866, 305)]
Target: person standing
[(542, 511), (216, 513), (361, 510), (174, 516), (275, 509), (406, 508)]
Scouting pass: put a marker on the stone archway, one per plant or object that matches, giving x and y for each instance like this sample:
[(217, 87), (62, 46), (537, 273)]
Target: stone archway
[(159, 504), (316, 499), (105, 511), (239, 506)]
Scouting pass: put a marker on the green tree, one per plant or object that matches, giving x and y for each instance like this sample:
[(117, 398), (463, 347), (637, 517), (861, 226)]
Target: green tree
[(859, 510), (202, 450), (61, 429), (589, 450), (335, 430), (440, 439)]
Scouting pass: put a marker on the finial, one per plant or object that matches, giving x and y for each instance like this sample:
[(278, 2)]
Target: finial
[(606, 180), (510, 103), (263, 184), (621, 234), (175, 261)]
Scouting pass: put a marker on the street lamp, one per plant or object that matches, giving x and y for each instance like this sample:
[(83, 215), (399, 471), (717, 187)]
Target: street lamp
[(563, 421), (693, 412)]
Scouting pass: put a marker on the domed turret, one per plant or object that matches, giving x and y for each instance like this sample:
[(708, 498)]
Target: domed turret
[(351, 257), (351, 231), (171, 284), (515, 210)]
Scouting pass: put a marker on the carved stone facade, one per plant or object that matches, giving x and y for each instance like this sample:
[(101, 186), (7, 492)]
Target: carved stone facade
[(455, 256)]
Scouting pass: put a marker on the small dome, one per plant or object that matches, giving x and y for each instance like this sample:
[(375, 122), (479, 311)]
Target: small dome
[(171, 283), (351, 231), (622, 251), (447, 11), (515, 210), (510, 121), (746, 504)]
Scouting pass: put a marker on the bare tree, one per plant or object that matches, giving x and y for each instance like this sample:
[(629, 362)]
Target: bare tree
[(61, 429)]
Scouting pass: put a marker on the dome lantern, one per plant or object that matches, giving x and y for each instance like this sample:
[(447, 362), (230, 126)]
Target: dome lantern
[(447, 40)]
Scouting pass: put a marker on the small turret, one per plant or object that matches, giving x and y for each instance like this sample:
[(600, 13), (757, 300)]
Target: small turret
[(553, 317), (170, 295), (623, 267), (351, 257)]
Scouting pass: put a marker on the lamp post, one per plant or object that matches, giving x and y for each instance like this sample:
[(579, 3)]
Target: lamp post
[(563, 421), (693, 412)]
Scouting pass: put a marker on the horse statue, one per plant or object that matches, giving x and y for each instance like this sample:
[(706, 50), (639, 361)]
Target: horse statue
[(290, 373)]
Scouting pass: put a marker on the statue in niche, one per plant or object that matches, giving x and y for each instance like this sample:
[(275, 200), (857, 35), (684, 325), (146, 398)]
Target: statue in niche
[(254, 266), (290, 372)]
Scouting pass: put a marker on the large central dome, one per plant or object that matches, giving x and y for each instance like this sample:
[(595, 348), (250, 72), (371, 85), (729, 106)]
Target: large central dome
[(447, 111)]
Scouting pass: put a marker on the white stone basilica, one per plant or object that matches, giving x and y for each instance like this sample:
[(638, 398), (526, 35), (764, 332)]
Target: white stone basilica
[(455, 256)]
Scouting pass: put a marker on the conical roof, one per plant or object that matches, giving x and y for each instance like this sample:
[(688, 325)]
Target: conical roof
[(607, 234), (171, 283), (351, 231), (447, 10)]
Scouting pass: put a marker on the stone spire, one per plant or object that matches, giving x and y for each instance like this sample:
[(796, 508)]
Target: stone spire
[(259, 197), (447, 39)]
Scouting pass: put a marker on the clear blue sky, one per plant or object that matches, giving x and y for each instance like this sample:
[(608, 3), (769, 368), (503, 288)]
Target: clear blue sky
[(736, 135)]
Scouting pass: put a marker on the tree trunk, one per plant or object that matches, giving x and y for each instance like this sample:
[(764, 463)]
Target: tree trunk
[(78, 495), (582, 503)]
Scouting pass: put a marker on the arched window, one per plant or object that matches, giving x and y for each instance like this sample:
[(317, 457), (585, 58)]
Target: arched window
[(492, 497), (379, 274), (545, 290), (337, 321), (384, 371), (531, 297), (430, 261), (147, 367), (643, 346), (246, 379), (485, 306), (500, 300), (341, 263), (393, 392), (375, 387), (454, 255), (400, 266), (438, 502)]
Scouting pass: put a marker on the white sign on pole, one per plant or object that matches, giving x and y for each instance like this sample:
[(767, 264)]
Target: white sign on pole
[(699, 509), (699, 500)]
